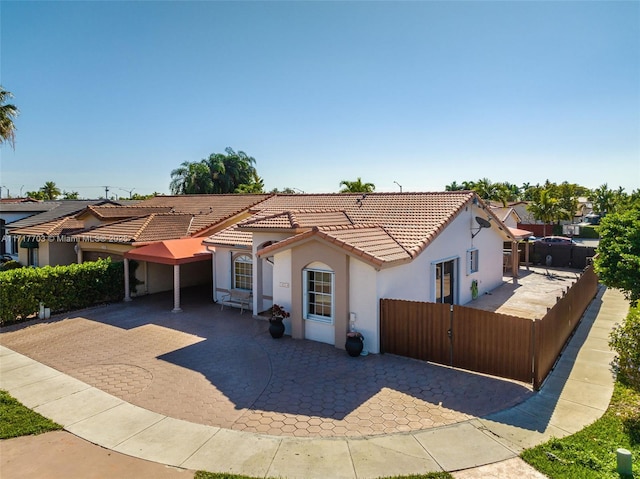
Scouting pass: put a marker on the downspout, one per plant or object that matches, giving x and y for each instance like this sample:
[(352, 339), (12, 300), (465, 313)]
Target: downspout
[(213, 271)]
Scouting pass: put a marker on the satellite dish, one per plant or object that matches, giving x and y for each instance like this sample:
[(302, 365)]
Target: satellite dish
[(482, 222)]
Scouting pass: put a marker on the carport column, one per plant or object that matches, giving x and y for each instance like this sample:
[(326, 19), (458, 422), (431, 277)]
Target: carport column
[(127, 294), (176, 289), (515, 259)]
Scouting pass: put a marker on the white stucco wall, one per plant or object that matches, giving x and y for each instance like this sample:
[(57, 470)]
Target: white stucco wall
[(363, 303), (415, 281), (282, 283)]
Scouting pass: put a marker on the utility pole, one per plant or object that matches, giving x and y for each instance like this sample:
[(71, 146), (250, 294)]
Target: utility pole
[(106, 192)]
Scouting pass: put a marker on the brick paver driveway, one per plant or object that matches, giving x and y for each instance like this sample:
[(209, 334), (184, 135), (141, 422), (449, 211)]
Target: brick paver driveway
[(224, 369)]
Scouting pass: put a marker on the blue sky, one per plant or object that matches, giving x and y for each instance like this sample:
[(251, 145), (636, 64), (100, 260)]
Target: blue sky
[(119, 94)]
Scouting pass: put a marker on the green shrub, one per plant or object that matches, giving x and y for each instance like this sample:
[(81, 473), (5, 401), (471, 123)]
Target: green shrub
[(60, 288), (10, 265), (589, 232), (625, 340)]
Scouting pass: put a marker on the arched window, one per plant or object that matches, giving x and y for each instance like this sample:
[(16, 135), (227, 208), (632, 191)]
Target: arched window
[(243, 272)]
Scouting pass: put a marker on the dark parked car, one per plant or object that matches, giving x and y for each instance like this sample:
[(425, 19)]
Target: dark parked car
[(555, 240)]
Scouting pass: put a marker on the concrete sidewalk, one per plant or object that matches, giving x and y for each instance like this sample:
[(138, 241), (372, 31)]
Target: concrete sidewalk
[(576, 393)]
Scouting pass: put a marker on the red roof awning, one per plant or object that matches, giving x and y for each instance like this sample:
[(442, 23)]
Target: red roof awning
[(178, 251), (520, 234)]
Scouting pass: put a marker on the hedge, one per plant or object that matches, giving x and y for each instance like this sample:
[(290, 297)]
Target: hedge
[(60, 288), (589, 232)]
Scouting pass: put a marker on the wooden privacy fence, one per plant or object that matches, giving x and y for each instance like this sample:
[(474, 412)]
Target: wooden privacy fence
[(553, 331), (483, 341)]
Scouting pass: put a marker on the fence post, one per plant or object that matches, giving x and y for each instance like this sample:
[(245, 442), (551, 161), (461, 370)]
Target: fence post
[(534, 355), (450, 333)]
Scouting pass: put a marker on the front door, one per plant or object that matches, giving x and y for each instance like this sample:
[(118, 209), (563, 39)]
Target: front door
[(445, 281)]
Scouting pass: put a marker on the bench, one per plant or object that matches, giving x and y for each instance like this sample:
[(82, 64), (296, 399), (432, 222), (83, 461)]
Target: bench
[(237, 298)]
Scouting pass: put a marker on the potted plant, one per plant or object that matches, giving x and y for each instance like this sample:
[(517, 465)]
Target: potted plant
[(354, 344), (276, 328)]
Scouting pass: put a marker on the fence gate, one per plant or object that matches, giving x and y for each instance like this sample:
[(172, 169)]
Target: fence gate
[(458, 336)]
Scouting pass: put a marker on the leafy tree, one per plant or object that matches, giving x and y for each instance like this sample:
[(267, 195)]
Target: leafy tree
[(454, 186), (191, 178), (256, 186), (625, 340), (50, 191), (567, 195), (357, 186), (618, 260), (70, 195), (36, 195), (285, 191), (219, 173), (138, 196), (8, 114), (602, 198), (545, 209)]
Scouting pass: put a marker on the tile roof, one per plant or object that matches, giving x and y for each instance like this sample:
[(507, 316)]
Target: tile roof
[(298, 219), (154, 227), (381, 228), (411, 220), (168, 217), (371, 243), (231, 236), (222, 206), (62, 226), (111, 212), (56, 209)]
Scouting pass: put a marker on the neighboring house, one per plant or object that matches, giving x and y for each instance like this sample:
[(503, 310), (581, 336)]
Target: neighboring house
[(35, 233), (507, 214), (330, 258), (15, 209), (151, 229)]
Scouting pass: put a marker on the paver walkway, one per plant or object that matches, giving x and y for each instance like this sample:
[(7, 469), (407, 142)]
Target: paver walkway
[(222, 368), (576, 393)]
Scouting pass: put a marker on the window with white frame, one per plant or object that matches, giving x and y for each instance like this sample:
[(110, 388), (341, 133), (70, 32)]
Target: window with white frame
[(318, 295), (472, 260), (243, 272)]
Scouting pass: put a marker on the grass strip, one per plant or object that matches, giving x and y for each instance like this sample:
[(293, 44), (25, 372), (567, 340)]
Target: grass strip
[(18, 420), (591, 452)]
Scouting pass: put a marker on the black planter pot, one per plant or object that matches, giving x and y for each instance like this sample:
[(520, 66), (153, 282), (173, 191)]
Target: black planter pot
[(354, 345), (276, 328)]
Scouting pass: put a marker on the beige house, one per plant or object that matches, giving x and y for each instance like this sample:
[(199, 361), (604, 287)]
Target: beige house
[(329, 259)]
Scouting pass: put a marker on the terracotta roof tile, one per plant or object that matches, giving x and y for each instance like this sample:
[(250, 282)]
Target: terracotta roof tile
[(122, 212), (62, 226), (155, 227), (298, 219), (169, 217), (231, 236), (411, 220)]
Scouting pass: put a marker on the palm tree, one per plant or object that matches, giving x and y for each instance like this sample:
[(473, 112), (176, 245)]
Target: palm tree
[(8, 114), (230, 171), (454, 186), (219, 173), (545, 209), (256, 186), (357, 186), (50, 191), (191, 178)]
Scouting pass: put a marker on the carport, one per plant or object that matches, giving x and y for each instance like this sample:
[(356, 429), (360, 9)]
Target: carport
[(171, 252)]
